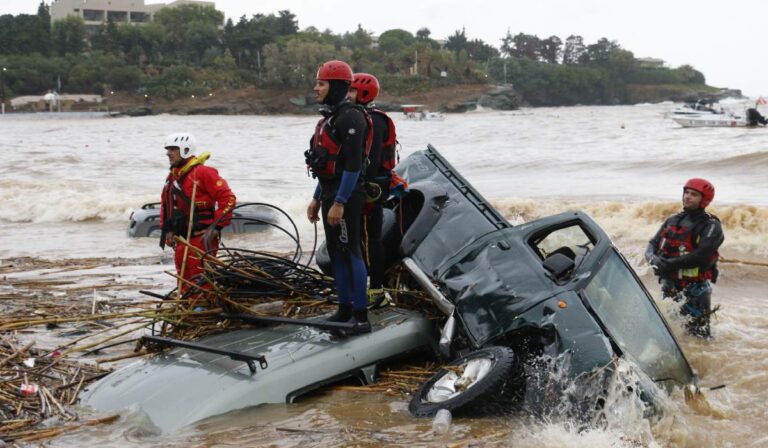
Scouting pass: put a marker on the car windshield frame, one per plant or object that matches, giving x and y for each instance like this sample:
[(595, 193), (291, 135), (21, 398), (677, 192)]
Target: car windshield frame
[(633, 321)]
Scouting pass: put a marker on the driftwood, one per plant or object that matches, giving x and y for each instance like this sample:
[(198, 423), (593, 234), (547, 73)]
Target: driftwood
[(37, 384)]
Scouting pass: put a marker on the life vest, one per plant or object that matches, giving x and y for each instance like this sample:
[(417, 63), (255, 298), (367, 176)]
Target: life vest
[(176, 219), (389, 155), (679, 240), (326, 147)]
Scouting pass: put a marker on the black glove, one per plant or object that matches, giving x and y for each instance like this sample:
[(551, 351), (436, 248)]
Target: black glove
[(660, 265)]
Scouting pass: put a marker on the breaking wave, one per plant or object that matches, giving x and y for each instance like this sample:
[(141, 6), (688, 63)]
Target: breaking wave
[(26, 201), (633, 223), (752, 162), (57, 201)]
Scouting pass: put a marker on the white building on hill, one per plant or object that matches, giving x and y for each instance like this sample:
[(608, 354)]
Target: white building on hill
[(98, 12)]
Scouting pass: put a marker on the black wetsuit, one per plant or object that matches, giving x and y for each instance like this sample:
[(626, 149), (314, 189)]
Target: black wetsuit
[(374, 216), (349, 126), (707, 236)]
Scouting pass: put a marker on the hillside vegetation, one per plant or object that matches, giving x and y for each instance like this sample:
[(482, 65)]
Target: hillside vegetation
[(185, 52)]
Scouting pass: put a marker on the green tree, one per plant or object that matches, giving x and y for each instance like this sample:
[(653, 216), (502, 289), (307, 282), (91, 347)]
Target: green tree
[(106, 38), (182, 23), (25, 33), (43, 28), (87, 77), (621, 64), (124, 78), (395, 40), (689, 75), (551, 49), (526, 46), (480, 51), (423, 34), (247, 38), (358, 40), (129, 41), (574, 49), (285, 24), (32, 74), (294, 62), (174, 81), (68, 35), (152, 41), (199, 38), (457, 41), (508, 44), (600, 51)]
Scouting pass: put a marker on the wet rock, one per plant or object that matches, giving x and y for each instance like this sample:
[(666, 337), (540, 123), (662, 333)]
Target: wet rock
[(139, 111), (500, 98), (211, 110), (461, 107)]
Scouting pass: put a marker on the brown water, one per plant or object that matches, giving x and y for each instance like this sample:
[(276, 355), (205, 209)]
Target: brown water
[(623, 165), (736, 416)]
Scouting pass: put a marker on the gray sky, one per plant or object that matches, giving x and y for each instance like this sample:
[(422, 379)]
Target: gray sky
[(725, 41)]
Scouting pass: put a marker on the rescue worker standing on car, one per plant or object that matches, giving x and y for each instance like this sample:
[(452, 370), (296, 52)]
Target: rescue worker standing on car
[(189, 179), (684, 255), (336, 158), (382, 160)]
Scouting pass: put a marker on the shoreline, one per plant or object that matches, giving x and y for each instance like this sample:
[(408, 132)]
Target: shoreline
[(252, 100)]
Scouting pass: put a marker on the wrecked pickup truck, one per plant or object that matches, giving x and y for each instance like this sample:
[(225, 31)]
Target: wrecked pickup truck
[(511, 296), (554, 288)]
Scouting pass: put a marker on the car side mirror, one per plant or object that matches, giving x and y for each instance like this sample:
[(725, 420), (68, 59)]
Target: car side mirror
[(560, 266)]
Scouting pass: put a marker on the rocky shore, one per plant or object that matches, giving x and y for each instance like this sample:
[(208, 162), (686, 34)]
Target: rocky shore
[(263, 101), (253, 100)]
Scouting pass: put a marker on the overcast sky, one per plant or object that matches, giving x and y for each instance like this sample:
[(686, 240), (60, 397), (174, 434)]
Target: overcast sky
[(724, 40)]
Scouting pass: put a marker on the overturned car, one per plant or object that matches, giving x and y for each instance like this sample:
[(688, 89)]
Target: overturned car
[(248, 217), (510, 296)]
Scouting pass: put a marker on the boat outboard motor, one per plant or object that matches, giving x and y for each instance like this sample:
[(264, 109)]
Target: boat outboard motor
[(754, 117)]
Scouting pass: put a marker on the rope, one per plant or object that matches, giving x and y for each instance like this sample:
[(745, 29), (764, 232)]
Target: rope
[(750, 263)]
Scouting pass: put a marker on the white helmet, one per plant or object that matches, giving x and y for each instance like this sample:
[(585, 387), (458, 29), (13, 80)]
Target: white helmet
[(185, 143)]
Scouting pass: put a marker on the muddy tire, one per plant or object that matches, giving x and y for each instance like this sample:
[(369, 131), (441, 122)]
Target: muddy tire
[(478, 383)]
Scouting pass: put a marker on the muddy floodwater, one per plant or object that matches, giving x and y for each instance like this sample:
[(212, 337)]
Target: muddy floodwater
[(69, 184)]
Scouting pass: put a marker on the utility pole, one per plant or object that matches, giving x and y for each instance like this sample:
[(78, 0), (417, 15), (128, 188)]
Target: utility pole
[(258, 63), (2, 89), (505, 72), (416, 65)]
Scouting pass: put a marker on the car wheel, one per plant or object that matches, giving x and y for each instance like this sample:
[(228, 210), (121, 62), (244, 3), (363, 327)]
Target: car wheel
[(479, 382)]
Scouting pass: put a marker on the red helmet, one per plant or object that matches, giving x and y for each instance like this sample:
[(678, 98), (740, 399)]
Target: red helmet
[(367, 87), (704, 187), (335, 70)]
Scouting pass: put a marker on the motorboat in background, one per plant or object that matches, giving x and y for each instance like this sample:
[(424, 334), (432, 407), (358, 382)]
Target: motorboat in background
[(417, 112), (752, 118), (700, 107), (710, 121)]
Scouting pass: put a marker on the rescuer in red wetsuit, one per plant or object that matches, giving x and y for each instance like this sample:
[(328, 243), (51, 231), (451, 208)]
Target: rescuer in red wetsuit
[(214, 202), (378, 176)]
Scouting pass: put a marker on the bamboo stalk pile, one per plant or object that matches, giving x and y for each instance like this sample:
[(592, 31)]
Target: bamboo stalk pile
[(399, 379), (36, 387), (237, 281)]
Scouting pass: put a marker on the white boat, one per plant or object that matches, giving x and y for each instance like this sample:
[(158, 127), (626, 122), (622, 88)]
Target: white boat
[(417, 112), (751, 118), (711, 121), (698, 108)]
